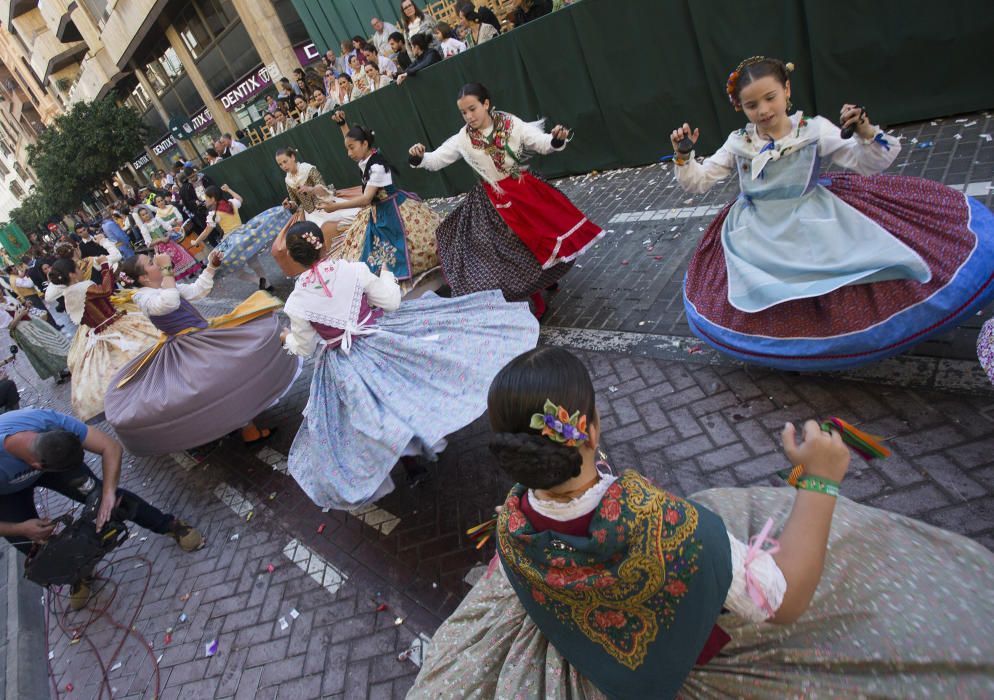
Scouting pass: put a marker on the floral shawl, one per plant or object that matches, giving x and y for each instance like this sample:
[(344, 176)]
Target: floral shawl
[(632, 604)]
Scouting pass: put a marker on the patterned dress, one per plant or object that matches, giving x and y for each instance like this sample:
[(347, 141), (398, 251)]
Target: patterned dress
[(389, 384), (901, 612), (513, 232), (160, 237), (810, 273), (45, 348), (396, 230), (257, 234)]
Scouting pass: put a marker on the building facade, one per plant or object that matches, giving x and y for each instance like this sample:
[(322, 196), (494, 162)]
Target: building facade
[(205, 61)]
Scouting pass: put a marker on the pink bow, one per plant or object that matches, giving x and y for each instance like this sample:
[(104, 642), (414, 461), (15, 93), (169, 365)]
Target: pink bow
[(755, 549)]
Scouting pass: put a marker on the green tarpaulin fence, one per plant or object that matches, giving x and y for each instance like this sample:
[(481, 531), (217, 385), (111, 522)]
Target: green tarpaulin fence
[(624, 73)]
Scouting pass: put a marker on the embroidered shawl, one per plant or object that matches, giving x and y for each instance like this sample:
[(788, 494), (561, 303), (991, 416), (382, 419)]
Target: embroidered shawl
[(632, 604), (330, 293)]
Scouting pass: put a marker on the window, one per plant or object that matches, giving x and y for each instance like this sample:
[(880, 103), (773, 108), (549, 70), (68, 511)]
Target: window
[(19, 169), (193, 31), (138, 99), (164, 70), (16, 190), (4, 170)]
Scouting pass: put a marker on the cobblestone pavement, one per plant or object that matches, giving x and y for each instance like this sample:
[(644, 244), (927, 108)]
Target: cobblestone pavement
[(346, 594)]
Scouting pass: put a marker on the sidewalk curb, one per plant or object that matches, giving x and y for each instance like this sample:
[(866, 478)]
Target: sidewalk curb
[(26, 665)]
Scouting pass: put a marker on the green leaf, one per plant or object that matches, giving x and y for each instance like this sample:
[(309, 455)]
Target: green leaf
[(538, 421)]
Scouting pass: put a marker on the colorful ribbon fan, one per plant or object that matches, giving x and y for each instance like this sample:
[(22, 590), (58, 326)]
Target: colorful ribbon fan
[(866, 446), (482, 532)]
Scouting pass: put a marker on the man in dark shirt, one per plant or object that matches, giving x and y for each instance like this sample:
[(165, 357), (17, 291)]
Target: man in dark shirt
[(527, 10), (486, 15), (424, 56), (42, 448), (88, 247), (400, 56)]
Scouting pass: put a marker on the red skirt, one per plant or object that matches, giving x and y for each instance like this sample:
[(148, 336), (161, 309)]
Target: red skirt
[(543, 218)]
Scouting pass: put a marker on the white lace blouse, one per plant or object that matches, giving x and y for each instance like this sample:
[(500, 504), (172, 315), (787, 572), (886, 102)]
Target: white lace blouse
[(159, 302), (763, 568), (864, 156)]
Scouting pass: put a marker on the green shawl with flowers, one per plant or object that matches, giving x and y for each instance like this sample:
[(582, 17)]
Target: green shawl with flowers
[(632, 604)]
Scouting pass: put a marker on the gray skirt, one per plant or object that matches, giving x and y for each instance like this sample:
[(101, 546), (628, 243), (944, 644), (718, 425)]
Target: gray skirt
[(200, 387), (903, 610)]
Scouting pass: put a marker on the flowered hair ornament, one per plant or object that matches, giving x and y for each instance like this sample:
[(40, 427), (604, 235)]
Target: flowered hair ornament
[(313, 240), (124, 278), (733, 78), (557, 424)]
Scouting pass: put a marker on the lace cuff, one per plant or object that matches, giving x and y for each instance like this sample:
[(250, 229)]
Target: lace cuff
[(758, 585)]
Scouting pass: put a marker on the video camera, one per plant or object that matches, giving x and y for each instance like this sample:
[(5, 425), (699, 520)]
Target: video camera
[(72, 554)]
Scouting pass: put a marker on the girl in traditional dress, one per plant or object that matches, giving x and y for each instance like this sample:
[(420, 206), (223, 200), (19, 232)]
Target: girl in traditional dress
[(386, 386), (241, 243), (204, 378), (813, 274), (160, 237), (168, 212), (107, 338), (394, 229), (608, 586), (45, 348), (513, 232), (301, 178)]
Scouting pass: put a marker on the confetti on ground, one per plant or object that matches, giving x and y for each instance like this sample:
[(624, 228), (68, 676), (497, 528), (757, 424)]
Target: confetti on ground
[(320, 528), (182, 617), (68, 687), (612, 389), (270, 568), (234, 537), (294, 614), (382, 607), (399, 621), (925, 144), (169, 639), (185, 597), (283, 624), (116, 666), (210, 648)]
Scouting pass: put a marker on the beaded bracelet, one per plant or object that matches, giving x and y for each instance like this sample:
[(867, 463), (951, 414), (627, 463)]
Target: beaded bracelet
[(819, 485)]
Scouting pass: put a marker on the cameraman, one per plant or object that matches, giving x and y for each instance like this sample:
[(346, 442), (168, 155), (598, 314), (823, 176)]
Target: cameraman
[(43, 448)]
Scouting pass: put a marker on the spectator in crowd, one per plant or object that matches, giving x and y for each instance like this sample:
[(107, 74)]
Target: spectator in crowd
[(476, 30), (383, 64), (269, 125), (400, 55), (381, 37), (347, 50), (355, 67), (346, 90), (212, 156), (284, 90), (322, 103), (416, 22), (283, 122), (448, 44), (424, 56), (331, 60), (233, 147), (375, 79), (88, 246), (358, 78), (304, 111), (271, 106), (527, 10), (116, 234), (329, 80), (301, 87), (485, 14)]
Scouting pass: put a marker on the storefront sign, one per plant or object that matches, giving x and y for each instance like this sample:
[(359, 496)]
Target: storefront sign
[(260, 78), (163, 146), (202, 119), (141, 161)]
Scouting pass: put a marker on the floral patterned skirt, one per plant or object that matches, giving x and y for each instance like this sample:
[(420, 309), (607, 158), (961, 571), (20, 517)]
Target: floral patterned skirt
[(478, 252), (94, 359), (902, 611), (421, 375), (45, 347), (184, 264), (401, 236)]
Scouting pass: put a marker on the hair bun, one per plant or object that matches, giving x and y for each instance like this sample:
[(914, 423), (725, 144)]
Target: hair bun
[(535, 461), (789, 66)]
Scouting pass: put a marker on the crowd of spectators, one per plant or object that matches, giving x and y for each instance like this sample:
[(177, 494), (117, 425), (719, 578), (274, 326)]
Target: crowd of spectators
[(392, 53)]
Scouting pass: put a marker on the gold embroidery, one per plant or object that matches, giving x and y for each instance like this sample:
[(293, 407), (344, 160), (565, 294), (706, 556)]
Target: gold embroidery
[(640, 579)]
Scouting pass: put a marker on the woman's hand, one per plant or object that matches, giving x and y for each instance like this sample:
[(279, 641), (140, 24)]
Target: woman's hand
[(821, 452), (417, 150), (305, 189), (560, 133), (215, 258), (284, 334), (330, 206), (162, 260), (338, 116), (681, 132), (854, 115), (225, 188), (36, 529)]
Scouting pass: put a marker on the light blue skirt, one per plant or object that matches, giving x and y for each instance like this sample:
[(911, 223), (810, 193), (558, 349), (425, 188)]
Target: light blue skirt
[(254, 236), (423, 374)]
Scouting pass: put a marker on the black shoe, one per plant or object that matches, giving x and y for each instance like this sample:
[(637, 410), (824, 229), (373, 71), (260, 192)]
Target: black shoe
[(64, 376), (417, 473), (265, 286)]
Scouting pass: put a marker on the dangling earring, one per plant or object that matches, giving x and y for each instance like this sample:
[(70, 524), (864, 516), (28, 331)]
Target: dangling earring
[(790, 105), (602, 462)]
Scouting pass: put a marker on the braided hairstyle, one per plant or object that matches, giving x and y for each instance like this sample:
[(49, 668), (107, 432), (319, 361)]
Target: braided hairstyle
[(751, 70), (520, 390), (60, 270), (300, 239)]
